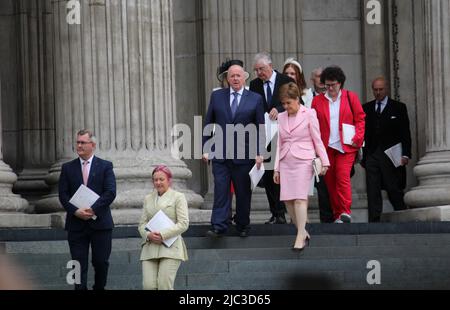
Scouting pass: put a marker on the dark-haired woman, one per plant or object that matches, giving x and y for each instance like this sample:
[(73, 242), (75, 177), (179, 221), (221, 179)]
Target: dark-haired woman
[(336, 109)]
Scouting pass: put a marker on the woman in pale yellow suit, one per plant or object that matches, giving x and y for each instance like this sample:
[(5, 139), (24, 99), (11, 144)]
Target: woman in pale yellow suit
[(160, 263)]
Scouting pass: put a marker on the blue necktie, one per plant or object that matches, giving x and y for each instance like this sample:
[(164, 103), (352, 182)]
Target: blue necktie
[(234, 104), (379, 108), (269, 94)]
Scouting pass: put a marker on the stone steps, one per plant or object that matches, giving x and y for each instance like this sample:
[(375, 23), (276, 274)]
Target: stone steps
[(410, 258)]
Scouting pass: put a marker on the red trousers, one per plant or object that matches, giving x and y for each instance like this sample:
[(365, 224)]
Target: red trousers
[(338, 181)]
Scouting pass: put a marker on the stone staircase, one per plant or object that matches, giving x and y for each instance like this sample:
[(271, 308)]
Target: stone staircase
[(411, 256)]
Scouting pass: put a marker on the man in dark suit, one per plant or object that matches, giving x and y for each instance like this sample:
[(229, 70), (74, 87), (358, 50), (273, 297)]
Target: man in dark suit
[(232, 150), (91, 225), (325, 211), (387, 124), (268, 84)]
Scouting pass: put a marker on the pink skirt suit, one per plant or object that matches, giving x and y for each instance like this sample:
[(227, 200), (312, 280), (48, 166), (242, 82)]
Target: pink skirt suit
[(299, 142)]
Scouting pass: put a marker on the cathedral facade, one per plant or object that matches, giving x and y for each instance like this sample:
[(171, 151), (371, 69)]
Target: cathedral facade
[(131, 70)]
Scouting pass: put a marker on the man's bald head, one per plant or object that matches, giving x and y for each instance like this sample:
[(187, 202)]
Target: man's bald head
[(236, 77), (380, 88)]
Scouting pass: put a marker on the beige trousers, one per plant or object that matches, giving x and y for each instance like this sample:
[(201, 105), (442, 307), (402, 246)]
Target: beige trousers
[(159, 274)]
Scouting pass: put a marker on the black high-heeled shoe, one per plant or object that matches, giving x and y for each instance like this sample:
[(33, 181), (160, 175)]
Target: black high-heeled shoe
[(305, 244), (306, 241)]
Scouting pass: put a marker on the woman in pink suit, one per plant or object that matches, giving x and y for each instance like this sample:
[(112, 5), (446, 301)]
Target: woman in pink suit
[(336, 108), (298, 143)]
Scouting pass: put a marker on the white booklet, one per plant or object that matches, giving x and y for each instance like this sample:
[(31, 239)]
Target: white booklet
[(395, 154), (271, 128), (256, 175), (348, 132), (159, 222), (84, 197)]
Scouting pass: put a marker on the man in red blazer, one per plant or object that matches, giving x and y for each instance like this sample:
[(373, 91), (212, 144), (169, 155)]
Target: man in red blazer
[(336, 108)]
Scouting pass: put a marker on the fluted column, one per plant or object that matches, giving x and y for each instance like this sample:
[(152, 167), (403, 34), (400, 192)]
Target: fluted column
[(37, 137), (9, 202), (433, 170), (114, 75)]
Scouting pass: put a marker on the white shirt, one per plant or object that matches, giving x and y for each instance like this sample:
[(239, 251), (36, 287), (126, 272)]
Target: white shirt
[(335, 138), (271, 83), (383, 104), (240, 92), (88, 165), (308, 97)]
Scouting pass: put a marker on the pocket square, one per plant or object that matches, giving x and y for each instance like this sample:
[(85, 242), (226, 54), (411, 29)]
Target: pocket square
[(393, 117)]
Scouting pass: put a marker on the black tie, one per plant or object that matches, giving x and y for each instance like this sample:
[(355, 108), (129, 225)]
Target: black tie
[(379, 108), (269, 94)]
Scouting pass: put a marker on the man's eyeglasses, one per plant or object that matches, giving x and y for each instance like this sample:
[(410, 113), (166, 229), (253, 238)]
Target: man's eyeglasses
[(261, 69), (83, 142)]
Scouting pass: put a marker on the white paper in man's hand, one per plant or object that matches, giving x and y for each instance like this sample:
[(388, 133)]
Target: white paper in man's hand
[(159, 222), (256, 175), (271, 128), (348, 132), (395, 154), (84, 197)]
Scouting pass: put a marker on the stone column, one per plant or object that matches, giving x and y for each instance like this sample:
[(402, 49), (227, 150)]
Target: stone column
[(114, 75), (37, 136), (9, 202), (433, 170)]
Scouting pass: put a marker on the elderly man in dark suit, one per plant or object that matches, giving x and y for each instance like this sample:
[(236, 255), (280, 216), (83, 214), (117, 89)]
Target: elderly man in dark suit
[(387, 124), (268, 84), (233, 155), (90, 225)]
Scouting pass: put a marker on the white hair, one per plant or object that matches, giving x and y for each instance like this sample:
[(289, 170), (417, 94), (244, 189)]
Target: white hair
[(263, 57), (316, 71)]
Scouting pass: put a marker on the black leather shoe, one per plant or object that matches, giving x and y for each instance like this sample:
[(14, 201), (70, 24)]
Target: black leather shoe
[(280, 219), (271, 220), (243, 234), (277, 220), (214, 233)]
